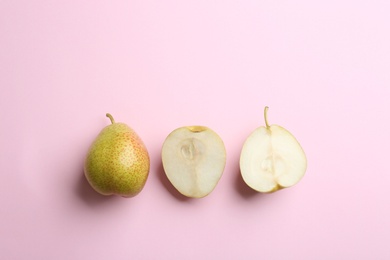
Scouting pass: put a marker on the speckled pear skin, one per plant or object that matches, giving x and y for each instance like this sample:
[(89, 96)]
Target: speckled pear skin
[(117, 162)]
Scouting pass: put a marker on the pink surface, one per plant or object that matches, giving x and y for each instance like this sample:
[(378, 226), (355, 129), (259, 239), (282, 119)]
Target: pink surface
[(323, 68)]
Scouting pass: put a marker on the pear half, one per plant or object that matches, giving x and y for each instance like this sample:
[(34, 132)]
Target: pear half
[(272, 159), (193, 158)]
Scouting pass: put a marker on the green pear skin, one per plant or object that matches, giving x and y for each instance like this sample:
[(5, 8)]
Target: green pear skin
[(117, 162)]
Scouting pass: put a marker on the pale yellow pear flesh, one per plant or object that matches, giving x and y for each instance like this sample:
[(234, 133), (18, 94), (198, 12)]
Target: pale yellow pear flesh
[(117, 162), (193, 158), (272, 159)]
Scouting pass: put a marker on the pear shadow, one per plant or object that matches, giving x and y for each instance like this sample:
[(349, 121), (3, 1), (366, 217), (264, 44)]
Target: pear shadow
[(88, 195), (243, 189), (168, 185)]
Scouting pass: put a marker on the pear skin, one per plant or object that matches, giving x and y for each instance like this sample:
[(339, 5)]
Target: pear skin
[(117, 162)]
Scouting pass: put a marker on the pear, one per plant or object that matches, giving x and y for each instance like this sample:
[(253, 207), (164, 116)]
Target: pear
[(193, 159), (117, 162), (272, 159)]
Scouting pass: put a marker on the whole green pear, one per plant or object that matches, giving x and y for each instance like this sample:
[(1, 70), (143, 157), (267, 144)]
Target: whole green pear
[(117, 162)]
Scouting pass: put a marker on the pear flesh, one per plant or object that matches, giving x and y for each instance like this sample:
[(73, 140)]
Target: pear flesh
[(194, 158), (272, 159), (117, 162)]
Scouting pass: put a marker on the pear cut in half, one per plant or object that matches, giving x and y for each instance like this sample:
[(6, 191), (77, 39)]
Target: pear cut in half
[(272, 159), (193, 158)]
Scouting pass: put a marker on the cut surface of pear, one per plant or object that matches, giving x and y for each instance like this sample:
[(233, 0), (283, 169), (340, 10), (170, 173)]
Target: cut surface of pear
[(117, 162), (272, 159), (193, 158)]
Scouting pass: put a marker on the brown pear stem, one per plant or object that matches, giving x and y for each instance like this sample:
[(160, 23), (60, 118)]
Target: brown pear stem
[(111, 118), (265, 117)]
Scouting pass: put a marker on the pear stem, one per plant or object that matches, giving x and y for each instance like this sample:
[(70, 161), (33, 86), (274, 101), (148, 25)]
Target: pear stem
[(265, 117), (111, 118)]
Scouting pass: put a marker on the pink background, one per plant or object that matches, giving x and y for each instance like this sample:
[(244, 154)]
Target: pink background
[(323, 68)]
